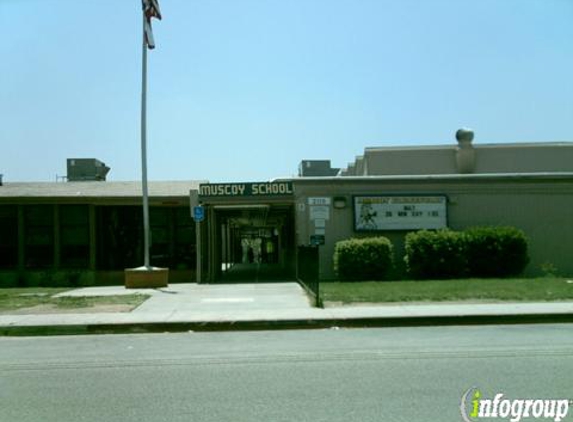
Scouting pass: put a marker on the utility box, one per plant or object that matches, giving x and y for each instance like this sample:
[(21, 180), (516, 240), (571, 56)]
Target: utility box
[(86, 169), (316, 168)]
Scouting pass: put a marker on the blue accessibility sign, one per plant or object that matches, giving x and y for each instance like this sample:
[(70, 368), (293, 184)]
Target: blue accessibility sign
[(198, 213)]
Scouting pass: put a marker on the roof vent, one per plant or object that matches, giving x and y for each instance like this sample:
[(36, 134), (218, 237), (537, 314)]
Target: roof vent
[(86, 169), (465, 153)]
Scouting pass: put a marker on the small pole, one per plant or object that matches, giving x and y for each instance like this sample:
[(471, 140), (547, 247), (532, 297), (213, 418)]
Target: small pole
[(198, 250), (146, 234)]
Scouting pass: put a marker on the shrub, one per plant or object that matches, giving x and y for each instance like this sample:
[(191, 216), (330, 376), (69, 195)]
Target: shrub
[(435, 254), (363, 259), (496, 251)]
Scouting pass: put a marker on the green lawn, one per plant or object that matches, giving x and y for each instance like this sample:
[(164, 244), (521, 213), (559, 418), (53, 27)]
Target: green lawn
[(531, 289), (13, 299)]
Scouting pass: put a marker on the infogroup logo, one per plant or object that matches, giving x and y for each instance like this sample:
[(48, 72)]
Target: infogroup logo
[(474, 407)]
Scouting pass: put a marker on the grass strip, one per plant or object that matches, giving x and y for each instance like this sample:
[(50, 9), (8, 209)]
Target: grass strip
[(514, 289), (13, 299)]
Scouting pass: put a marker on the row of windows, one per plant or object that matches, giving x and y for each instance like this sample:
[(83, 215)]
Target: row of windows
[(119, 237)]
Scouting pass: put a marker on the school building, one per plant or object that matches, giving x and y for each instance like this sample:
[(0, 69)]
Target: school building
[(91, 229)]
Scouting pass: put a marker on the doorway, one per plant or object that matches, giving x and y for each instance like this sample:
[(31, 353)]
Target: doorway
[(254, 243)]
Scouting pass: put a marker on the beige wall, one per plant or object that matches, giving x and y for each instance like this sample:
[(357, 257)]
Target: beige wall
[(396, 161), (539, 206), (360, 169), (441, 159), (524, 158)]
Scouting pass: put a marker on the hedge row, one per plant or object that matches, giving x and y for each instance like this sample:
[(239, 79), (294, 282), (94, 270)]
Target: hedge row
[(363, 259), (476, 252), (435, 254)]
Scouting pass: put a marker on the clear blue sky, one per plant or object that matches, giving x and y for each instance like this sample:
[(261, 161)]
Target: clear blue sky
[(245, 89)]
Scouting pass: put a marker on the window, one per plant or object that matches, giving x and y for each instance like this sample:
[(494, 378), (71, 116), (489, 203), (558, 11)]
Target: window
[(39, 237), (172, 238), (119, 237), (160, 223), (8, 237), (74, 236), (184, 256)]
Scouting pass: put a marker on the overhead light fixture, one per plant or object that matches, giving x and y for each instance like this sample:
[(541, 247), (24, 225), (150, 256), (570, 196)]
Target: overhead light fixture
[(339, 202)]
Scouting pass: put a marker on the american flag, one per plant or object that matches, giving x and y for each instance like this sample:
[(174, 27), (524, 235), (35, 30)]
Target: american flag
[(150, 10)]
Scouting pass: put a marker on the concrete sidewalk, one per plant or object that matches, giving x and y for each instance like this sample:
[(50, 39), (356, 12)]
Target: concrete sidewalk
[(184, 307)]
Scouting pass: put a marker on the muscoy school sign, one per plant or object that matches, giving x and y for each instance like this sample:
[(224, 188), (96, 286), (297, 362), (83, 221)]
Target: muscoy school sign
[(211, 190)]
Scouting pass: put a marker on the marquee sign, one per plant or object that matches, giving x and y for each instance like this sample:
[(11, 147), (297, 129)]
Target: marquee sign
[(376, 213), (217, 190)]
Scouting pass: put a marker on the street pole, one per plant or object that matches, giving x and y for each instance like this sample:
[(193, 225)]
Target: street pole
[(146, 233)]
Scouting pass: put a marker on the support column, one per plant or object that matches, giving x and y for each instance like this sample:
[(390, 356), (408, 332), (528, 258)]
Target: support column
[(198, 250), (212, 257), (228, 245), (171, 237), (57, 242), (21, 239)]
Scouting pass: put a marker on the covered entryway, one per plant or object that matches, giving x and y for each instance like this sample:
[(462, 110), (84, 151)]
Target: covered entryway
[(255, 242), (249, 235)]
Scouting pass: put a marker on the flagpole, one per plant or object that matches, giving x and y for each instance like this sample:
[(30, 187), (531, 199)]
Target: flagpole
[(146, 233)]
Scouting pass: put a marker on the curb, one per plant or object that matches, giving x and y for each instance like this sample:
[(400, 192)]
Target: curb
[(220, 326)]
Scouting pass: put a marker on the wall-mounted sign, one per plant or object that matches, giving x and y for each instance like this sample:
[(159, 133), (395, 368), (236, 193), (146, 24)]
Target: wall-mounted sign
[(214, 190), (198, 213), (319, 201), (319, 222), (374, 213), (319, 212), (317, 239)]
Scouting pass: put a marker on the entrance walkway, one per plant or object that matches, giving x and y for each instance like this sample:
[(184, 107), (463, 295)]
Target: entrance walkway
[(181, 301), (255, 273)]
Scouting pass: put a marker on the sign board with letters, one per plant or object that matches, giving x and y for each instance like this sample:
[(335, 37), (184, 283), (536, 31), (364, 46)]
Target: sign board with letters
[(319, 212), (257, 189), (319, 201), (319, 208), (377, 213)]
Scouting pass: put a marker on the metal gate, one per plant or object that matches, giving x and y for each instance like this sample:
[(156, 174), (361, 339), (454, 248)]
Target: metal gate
[(307, 271)]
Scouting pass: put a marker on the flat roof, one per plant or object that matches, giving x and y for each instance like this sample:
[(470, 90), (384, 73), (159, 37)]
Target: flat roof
[(172, 189), (96, 189), (476, 145), (439, 177)]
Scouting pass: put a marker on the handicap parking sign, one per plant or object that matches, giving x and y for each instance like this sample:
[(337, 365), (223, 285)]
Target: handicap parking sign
[(198, 213)]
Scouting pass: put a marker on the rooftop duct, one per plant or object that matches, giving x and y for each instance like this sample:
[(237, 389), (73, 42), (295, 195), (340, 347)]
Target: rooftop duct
[(316, 168), (86, 169)]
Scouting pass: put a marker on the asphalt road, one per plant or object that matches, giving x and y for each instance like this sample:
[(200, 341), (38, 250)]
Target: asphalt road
[(388, 374)]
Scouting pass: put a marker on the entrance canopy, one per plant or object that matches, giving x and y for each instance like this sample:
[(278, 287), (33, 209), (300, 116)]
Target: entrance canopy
[(249, 231)]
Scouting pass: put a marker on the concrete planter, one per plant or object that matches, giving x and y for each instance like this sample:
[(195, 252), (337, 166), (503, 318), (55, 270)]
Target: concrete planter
[(146, 278)]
